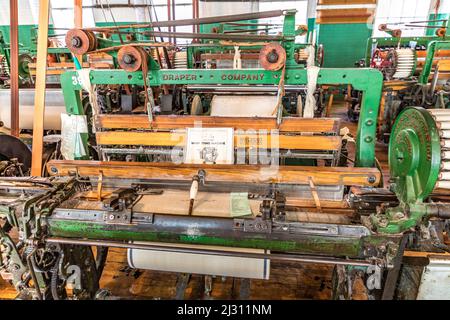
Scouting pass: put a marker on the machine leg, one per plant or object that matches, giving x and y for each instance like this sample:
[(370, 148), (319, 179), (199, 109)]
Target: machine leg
[(393, 274), (182, 283), (244, 289), (208, 286)]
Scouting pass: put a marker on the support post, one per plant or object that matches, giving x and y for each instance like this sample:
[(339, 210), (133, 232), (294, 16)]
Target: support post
[(14, 36), (39, 101)]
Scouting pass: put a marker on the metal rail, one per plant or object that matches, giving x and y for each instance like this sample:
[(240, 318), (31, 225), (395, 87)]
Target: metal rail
[(272, 256), (207, 20)]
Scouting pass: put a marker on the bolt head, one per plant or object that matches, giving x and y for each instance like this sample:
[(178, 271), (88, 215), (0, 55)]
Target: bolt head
[(76, 42), (272, 57), (128, 59)]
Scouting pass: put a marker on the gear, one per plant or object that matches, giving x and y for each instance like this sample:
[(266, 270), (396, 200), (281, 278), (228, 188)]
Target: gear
[(415, 158)]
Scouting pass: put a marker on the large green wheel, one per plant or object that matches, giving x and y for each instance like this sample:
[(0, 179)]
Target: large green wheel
[(414, 154)]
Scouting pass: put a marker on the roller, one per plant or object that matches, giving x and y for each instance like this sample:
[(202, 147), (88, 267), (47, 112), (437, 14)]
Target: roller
[(395, 63), (443, 125), (405, 61), (214, 265), (54, 107), (445, 165), (180, 60), (442, 117), (243, 106), (443, 185), (418, 157), (439, 111), (444, 176), (445, 144)]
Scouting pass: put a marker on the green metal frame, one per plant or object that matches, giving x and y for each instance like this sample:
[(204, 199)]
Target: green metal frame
[(432, 48), (369, 81), (394, 42), (351, 247), (433, 44), (414, 162)]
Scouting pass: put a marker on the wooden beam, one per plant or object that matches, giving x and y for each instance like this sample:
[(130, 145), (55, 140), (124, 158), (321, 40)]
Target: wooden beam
[(309, 203), (218, 173), (328, 125), (444, 66), (39, 101), (14, 58), (438, 54), (78, 13), (332, 16), (169, 139)]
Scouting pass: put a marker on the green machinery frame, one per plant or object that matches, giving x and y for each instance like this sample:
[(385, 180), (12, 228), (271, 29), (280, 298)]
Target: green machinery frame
[(433, 45), (432, 48), (395, 42), (369, 81), (25, 47)]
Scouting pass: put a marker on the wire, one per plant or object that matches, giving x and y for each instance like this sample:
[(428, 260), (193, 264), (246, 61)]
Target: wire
[(103, 11), (113, 19)]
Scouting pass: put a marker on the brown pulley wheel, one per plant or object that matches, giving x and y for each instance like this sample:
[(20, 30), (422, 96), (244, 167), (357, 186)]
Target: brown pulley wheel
[(441, 32), (92, 40), (80, 42), (130, 37), (382, 27), (397, 33), (131, 58), (272, 57)]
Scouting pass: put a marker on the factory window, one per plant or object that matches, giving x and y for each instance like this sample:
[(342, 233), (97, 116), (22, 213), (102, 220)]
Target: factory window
[(300, 6), (401, 11), (110, 12)]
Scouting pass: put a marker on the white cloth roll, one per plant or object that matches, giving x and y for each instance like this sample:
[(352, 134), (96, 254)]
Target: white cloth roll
[(225, 266), (244, 106)]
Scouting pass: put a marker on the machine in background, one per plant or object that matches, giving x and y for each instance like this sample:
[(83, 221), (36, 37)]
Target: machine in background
[(416, 73)]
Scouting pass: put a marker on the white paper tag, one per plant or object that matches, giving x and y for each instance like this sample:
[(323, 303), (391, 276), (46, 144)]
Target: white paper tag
[(209, 146), (71, 143)]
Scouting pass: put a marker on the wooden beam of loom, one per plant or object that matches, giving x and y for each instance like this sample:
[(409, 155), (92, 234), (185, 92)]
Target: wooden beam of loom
[(39, 101), (172, 139), (218, 173), (332, 16), (328, 125)]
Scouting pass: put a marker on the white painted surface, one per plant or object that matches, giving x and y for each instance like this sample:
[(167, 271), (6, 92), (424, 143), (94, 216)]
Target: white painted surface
[(244, 106), (54, 107), (435, 283), (200, 263), (220, 8)]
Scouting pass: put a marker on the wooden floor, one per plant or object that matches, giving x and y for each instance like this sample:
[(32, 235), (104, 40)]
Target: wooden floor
[(287, 280)]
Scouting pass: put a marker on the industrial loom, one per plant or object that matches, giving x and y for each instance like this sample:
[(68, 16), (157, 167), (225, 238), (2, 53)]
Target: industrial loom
[(223, 194), (415, 69)]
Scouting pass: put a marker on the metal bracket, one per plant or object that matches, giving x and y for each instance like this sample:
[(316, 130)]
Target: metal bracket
[(117, 217), (257, 225)]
